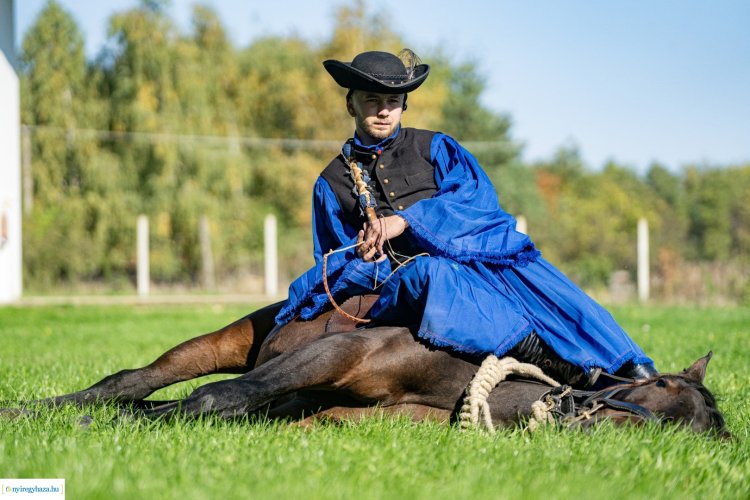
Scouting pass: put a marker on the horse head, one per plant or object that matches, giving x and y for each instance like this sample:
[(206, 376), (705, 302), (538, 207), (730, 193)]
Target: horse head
[(680, 398)]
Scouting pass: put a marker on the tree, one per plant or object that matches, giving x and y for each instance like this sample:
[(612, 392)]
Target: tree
[(57, 99), (709, 204), (151, 86)]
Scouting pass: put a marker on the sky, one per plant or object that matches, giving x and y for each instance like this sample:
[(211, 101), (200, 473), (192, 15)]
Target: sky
[(636, 81)]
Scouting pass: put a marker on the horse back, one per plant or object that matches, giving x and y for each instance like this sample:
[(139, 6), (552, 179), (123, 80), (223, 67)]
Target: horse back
[(299, 332)]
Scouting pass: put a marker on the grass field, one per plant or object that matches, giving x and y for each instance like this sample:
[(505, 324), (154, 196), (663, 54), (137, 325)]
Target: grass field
[(52, 350)]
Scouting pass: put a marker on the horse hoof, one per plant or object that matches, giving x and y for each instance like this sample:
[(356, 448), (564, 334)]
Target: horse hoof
[(127, 415), (85, 421), (14, 413)]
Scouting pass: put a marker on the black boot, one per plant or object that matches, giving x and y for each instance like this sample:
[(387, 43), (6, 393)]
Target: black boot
[(533, 350), (637, 372), (599, 379)]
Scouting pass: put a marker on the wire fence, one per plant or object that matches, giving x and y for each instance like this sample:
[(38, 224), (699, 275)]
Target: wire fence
[(84, 189)]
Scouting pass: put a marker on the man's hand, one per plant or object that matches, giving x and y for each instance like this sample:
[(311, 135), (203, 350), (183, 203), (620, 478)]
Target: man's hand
[(374, 235)]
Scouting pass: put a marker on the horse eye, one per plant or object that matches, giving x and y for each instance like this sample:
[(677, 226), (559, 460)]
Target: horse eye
[(661, 383)]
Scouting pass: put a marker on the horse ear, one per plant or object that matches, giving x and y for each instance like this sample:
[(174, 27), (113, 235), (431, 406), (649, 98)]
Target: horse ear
[(697, 370)]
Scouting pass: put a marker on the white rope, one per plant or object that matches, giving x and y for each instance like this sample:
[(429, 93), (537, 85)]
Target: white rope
[(540, 415), (490, 373)]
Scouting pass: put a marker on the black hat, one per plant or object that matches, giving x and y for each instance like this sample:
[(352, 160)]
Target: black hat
[(379, 72)]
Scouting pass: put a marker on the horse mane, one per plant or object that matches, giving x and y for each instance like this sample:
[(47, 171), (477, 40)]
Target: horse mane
[(718, 424), (717, 419)]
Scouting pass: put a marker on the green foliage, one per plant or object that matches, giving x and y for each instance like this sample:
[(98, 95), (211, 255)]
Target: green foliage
[(180, 126), (158, 125), (517, 190), (464, 117), (718, 211), (590, 219)]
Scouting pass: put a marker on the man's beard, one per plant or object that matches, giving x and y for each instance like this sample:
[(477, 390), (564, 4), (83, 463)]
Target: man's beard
[(378, 133)]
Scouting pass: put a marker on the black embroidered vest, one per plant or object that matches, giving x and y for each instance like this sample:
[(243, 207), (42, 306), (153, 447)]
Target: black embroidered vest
[(401, 174)]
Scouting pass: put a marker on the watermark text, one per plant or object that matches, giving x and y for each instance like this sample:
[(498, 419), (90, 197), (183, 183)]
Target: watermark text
[(39, 489)]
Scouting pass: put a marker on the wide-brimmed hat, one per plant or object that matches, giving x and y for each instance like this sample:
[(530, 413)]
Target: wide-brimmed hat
[(379, 72)]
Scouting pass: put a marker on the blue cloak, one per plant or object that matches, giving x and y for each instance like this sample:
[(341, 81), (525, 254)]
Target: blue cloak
[(484, 286)]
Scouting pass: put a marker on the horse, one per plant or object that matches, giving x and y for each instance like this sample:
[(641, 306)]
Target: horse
[(326, 369)]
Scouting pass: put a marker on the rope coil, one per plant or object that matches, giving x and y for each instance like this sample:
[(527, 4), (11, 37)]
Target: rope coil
[(328, 290), (475, 408)]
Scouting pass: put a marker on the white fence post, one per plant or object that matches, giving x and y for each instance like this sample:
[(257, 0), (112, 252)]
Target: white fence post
[(521, 224), (143, 272), (208, 276), (643, 260), (270, 256)]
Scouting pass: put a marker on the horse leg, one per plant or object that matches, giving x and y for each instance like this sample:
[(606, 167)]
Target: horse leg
[(232, 349), (380, 365), (318, 363), (236, 348), (416, 412)]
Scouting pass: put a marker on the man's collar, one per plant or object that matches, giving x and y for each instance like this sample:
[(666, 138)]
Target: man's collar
[(379, 146)]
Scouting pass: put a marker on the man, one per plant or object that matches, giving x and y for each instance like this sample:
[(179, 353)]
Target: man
[(480, 286)]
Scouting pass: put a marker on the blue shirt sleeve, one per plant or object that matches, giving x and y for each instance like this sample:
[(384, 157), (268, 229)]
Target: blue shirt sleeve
[(329, 229)]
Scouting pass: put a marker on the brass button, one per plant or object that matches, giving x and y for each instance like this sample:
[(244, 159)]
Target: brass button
[(391, 194), (374, 156), (382, 166), (400, 207), (385, 181)]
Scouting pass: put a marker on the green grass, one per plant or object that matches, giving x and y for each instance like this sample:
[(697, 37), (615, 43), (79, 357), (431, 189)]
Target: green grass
[(52, 350)]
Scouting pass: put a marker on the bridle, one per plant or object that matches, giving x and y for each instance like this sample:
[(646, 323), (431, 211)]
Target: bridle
[(570, 406)]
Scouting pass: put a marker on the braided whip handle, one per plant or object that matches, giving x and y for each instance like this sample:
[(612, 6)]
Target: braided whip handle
[(367, 203)]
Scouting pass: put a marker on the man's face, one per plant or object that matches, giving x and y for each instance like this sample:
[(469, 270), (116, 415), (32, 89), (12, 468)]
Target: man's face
[(376, 115)]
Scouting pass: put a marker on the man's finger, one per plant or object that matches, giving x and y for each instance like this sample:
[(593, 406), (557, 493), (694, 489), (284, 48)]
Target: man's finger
[(360, 247), (379, 246), (370, 255), (371, 238)]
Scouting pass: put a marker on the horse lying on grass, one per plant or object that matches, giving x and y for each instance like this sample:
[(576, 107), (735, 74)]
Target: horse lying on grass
[(325, 369)]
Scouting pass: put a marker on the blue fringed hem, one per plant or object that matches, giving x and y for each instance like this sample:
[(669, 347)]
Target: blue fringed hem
[(438, 341), (508, 343), (287, 314), (514, 339), (519, 258), (307, 308)]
